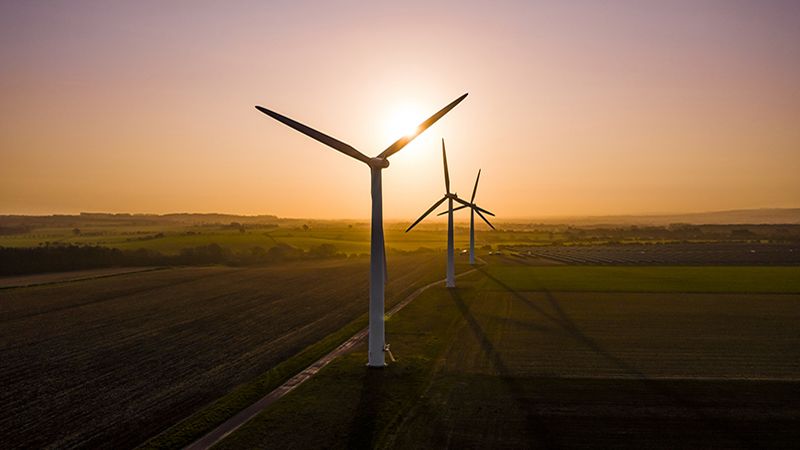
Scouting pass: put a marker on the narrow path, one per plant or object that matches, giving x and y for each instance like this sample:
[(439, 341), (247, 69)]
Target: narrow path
[(251, 411), (42, 279)]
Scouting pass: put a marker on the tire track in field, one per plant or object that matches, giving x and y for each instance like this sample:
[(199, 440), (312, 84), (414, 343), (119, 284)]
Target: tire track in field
[(55, 277)]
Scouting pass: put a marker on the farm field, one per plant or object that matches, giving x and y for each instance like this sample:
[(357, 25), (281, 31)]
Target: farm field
[(506, 362), (110, 362)]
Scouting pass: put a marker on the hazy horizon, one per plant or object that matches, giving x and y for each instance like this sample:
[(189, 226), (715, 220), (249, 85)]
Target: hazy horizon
[(624, 108), (736, 216)]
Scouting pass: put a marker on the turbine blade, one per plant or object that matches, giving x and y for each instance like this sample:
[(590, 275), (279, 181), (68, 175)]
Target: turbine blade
[(454, 209), (478, 208), (475, 189), (446, 173), (484, 219), (403, 141), (435, 205), (319, 136)]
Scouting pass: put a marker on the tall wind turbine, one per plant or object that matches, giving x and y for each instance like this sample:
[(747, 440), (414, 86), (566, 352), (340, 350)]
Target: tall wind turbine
[(474, 209), (377, 277), (450, 281)]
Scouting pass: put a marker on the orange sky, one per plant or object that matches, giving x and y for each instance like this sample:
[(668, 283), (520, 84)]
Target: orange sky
[(628, 107)]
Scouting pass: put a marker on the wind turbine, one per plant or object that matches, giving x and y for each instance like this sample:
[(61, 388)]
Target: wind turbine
[(474, 209), (377, 278), (450, 281)]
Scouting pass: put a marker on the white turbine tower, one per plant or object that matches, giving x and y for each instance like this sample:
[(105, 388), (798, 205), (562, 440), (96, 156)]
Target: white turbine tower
[(474, 209), (377, 277), (450, 281)]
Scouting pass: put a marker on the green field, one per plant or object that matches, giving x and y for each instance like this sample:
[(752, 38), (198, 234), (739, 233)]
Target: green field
[(172, 238), (110, 362), (645, 279), (565, 357)]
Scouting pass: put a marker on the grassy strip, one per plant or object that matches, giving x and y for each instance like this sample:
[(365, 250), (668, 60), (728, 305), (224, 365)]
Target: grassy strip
[(198, 424), (348, 405), (208, 418)]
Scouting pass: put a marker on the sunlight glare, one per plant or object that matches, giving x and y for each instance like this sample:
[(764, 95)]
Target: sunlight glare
[(402, 121)]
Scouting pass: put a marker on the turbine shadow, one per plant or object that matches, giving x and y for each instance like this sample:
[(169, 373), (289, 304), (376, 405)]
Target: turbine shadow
[(562, 319), (364, 425), (515, 389)]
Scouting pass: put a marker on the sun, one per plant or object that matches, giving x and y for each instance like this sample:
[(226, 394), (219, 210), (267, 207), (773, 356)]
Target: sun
[(402, 121)]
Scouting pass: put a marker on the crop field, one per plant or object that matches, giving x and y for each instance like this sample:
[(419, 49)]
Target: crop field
[(517, 358), (671, 254), (110, 362)]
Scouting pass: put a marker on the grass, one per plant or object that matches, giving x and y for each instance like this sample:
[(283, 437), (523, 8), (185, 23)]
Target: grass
[(491, 365), (111, 362), (350, 406), (206, 419)]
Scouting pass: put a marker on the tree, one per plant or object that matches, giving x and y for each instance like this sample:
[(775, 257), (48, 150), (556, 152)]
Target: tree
[(324, 251)]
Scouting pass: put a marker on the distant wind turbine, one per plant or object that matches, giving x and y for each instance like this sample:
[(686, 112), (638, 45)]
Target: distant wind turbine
[(474, 209), (377, 277), (450, 197)]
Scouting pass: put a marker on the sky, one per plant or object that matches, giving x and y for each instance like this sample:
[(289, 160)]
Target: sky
[(574, 108)]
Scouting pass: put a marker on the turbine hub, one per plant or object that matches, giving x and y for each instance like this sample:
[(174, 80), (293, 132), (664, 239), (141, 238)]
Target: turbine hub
[(379, 163)]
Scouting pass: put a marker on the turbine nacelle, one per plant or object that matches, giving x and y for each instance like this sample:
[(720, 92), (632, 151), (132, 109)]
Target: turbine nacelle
[(378, 163), (471, 204), (452, 195)]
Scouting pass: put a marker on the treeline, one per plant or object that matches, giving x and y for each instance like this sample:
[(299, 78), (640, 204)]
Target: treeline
[(56, 258)]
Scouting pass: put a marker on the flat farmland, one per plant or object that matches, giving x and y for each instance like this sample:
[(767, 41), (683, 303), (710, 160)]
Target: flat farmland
[(513, 359), (110, 362)]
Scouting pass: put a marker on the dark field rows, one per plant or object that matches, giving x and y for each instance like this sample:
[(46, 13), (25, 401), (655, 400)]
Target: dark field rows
[(670, 254), (110, 362), (491, 365)]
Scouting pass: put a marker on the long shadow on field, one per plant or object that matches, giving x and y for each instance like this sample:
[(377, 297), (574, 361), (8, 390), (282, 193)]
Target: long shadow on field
[(535, 424), (562, 319), (364, 425)]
